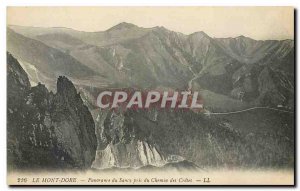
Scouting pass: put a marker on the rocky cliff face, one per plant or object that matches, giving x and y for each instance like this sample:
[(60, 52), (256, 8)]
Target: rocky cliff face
[(135, 154), (46, 130), (140, 138), (120, 145)]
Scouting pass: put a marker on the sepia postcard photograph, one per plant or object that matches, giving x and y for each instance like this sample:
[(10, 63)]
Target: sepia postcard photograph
[(186, 95)]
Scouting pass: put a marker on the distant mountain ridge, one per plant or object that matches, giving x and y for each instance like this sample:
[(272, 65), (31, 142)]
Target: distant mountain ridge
[(126, 55), (121, 25)]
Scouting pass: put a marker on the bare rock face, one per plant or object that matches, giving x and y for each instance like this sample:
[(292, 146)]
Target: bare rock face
[(75, 125), (121, 145), (47, 130), (135, 154), (159, 138)]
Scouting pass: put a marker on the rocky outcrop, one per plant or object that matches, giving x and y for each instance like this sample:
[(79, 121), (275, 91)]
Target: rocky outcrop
[(46, 130), (135, 154), (75, 125), (119, 144)]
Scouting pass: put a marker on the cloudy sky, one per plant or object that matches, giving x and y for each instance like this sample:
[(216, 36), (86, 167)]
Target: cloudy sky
[(260, 23)]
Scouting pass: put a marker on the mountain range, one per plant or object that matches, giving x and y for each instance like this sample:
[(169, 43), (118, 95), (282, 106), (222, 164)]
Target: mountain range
[(239, 71), (231, 74)]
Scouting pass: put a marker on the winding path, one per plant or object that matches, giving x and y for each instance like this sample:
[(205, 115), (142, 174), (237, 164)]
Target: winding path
[(252, 108)]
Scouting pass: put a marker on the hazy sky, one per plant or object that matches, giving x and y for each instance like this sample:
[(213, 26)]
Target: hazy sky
[(254, 22)]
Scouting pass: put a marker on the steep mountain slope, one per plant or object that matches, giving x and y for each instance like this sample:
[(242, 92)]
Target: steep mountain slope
[(126, 55), (46, 130), (269, 62), (46, 59), (44, 63), (249, 51), (262, 138)]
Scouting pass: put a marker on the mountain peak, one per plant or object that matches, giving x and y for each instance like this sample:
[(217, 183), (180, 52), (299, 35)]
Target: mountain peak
[(243, 37), (122, 25), (160, 28), (65, 86), (199, 34)]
